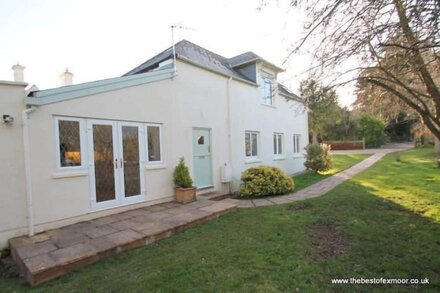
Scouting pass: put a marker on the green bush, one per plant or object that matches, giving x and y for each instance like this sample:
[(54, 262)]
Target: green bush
[(318, 157), (265, 180), (181, 175), (372, 129)]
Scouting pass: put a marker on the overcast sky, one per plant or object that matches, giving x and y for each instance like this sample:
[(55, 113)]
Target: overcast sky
[(99, 39)]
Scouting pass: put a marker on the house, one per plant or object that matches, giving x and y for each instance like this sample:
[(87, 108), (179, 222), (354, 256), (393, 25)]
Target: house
[(83, 151)]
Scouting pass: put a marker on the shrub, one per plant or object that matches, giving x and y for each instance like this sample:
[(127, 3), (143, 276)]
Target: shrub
[(181, 175), (265, 180), (372, 129), (318, 157)]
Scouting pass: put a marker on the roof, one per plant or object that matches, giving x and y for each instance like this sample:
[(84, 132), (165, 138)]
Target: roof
[(190, 52), (49, 96), (249, 57), (284, 91)]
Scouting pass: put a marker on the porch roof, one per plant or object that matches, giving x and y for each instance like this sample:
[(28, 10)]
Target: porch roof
[(49, 96)]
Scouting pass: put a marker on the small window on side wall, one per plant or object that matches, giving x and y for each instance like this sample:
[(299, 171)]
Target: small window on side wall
[(69, 143), (277, 144), (296, 141), (154, 143), (251, 144)]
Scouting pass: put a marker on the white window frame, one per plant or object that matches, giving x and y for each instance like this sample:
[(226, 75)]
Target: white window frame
[(251, 157), (148, 162), (266, 80), (296, 147), (82, 143), (276, 152)]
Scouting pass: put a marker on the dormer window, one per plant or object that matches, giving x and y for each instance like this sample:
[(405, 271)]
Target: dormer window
[(267, 91)]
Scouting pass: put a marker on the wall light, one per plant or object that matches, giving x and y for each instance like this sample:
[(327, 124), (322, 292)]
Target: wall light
[(8, 119)]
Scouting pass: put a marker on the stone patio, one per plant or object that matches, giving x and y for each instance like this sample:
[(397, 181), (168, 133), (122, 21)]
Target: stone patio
[(57, 252)]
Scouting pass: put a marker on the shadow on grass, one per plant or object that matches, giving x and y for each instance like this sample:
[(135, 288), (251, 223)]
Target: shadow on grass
[(380, 238)]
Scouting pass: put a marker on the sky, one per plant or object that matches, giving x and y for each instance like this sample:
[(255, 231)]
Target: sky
[(98, 39)]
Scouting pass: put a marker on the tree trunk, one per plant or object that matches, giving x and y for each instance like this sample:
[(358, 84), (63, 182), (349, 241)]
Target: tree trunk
[(314, 137), (437, 145)]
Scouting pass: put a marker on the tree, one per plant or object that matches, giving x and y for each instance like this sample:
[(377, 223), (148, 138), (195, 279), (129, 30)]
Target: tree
[(371, 129), (322, 103), (318, 158), (393, 44)]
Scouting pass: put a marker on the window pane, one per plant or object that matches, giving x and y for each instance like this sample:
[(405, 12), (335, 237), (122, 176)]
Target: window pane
[(296, 143), (153, 136), (69, 143), (130, 149), (247, 142), (280, 145), (275, 144), (254, 145), (104, 162), (266, 90)]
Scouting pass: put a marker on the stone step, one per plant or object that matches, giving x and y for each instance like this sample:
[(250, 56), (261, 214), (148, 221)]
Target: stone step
[(54, 253), (215, 196)]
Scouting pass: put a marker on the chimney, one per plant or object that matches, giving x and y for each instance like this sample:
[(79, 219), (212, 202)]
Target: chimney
[(66, 78), (18, 72)]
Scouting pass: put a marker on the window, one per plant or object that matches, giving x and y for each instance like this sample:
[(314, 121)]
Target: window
[(266, 90), (154, 143), (296, 138), (69, 143), (251, 144), (278, 144)]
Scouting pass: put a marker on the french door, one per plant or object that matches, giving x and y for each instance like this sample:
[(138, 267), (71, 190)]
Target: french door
[(117, 156)]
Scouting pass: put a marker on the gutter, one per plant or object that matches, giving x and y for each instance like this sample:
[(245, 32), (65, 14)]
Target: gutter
[(27, 163)]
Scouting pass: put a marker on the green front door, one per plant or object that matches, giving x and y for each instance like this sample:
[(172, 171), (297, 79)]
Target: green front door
[(202, 157)]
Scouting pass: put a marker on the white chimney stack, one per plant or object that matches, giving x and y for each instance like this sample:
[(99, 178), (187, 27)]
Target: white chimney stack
[(66, 78), (18, 72)]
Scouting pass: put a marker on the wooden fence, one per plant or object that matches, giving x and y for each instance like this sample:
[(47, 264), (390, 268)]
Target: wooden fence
[(338, 145)]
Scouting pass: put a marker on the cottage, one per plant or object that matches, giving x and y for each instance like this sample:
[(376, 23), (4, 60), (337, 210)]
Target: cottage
[(82, 151)]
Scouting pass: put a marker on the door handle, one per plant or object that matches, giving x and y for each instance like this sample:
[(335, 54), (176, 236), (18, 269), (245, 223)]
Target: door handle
[(116, 163)]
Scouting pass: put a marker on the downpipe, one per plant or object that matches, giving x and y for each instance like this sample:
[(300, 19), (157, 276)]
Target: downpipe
[(27, 164)]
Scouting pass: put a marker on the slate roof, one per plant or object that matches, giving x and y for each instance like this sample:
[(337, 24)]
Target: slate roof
[(192, 52), (250, 57), (283, 90), (186, 50)]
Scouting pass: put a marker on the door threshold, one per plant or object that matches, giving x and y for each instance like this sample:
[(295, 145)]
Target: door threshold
[(205, 187)]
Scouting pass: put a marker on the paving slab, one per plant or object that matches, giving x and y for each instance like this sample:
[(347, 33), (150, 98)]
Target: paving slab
[(262, 202), (36, 249), (101, 231), (72, 253)]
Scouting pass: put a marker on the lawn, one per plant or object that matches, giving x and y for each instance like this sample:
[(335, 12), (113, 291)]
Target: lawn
[(339, 163), (383, 223)]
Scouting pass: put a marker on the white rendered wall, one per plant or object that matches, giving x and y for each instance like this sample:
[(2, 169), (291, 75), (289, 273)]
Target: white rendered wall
[(285, 116), (12, 179), (194, 98)]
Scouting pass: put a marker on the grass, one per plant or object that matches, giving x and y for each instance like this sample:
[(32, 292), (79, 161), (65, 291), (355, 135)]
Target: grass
[(340, 163), (383, 223)]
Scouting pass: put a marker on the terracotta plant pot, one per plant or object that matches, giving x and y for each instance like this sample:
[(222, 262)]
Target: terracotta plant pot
[(185, 195)]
